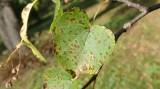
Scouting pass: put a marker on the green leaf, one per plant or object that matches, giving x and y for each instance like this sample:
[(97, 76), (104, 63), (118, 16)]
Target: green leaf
[(57, 78), (80, 47), (23, 32), (66, 31), (37, 80), (99, 44)]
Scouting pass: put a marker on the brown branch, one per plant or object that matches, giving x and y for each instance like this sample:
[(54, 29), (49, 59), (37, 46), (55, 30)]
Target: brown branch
[(134, 5), (133, 21), (144, 11), (128, 25)]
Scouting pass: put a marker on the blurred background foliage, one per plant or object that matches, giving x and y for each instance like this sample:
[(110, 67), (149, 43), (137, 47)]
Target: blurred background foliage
[(108, 12), (135, 62)]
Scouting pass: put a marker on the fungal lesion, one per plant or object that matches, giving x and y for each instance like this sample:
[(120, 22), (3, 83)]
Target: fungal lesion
[(91, 56)]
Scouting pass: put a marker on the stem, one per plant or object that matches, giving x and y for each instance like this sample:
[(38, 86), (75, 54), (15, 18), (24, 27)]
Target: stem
[(57, 13)]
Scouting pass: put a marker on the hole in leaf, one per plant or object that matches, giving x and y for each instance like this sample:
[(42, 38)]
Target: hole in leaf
[(73, 74)]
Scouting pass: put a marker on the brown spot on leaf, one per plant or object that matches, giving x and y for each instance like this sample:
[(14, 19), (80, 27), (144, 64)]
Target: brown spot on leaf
[(72, 19), (100, 53), (91, 56), (99, 41), (71, 51)]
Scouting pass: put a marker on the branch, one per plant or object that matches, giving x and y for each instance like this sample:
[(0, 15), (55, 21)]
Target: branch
[(134, 5), (129, 24), (154, 7), (93, 78), (144, 11)]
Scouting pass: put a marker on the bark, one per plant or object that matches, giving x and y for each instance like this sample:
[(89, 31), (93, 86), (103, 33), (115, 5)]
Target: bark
[(8, 25)]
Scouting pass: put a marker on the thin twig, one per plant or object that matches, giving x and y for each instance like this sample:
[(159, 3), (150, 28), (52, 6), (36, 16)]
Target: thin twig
[(128, 25), (134, 5), (93, 78), (144, 11), (133, 21)]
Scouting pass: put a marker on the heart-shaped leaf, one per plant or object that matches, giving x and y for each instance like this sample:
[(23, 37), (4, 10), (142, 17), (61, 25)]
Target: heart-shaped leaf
[(80, 47)]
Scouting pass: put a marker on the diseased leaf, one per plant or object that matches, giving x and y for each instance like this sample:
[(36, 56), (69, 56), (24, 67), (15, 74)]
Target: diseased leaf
[(98, 45), (57, 78), (23, 32), (79, 47), (68, 32)]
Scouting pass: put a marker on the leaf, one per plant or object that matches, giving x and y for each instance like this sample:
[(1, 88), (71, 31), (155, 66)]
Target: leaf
[(38, 80), (57, 78), (23, 32), (66, 32), (99, 44), (78, 46)]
